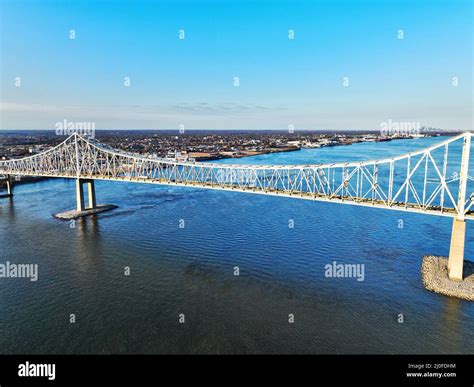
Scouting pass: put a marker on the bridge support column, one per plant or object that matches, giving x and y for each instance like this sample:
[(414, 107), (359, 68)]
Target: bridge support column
[(80, 195), (9, 186), (91, 193), (458, 235), (92, 203), (456, 250), (82, 209)]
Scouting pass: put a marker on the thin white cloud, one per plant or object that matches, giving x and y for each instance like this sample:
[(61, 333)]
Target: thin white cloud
[(228, 115), (29, 108)]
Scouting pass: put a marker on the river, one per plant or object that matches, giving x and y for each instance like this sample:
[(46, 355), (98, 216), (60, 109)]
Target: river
[(182, 247)]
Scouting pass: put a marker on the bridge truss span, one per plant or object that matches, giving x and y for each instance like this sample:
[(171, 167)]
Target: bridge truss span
[(433, 180)]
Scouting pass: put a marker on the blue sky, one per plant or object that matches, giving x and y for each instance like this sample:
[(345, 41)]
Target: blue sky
[(190, 81)]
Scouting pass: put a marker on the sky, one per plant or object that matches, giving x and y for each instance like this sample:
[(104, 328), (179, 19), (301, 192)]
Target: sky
[(332, 64)]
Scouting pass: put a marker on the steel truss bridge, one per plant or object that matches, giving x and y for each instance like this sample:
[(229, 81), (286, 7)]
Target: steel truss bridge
[(433, 180)]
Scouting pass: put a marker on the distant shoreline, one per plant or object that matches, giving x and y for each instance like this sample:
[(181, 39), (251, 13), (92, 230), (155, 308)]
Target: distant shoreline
[(240, 155)]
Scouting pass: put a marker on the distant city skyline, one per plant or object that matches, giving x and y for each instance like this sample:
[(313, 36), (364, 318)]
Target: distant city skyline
[(309, 65)]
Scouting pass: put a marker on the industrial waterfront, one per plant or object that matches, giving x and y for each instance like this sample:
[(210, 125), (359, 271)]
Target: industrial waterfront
[(182, 246)]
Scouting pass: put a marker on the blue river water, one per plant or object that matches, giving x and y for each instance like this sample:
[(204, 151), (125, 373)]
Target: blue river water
[(182, 246)]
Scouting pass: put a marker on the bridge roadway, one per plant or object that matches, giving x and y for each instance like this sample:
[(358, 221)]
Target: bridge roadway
[(294, 194)]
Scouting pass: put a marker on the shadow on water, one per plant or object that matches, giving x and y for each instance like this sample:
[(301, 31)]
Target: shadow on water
[(10, 207), (88, 246), (468, 269), (449, 328)]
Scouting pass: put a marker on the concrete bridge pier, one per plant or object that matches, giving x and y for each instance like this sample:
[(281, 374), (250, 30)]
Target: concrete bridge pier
[(458, 234), (456, 250), (92, 203), (9, 187), (81, 208), (434, 269)]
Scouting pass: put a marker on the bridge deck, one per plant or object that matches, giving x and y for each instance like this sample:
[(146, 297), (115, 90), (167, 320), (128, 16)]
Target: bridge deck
[(366, 202)]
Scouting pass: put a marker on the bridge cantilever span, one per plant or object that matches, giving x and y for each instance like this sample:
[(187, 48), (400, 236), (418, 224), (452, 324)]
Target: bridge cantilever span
[(433, 180)]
